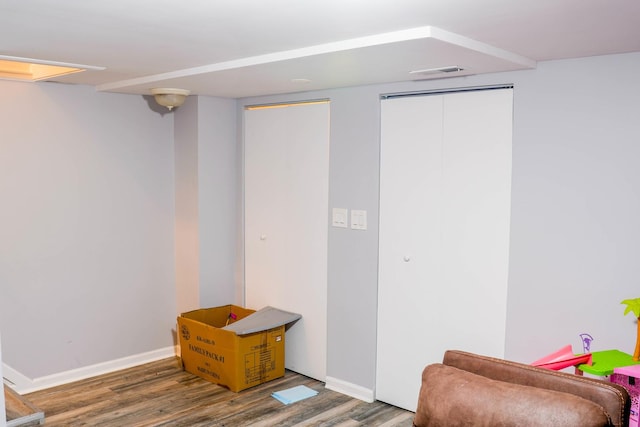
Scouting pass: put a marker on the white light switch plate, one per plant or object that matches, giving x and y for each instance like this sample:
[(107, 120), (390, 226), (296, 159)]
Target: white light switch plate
[(358, 220), (340, 217)]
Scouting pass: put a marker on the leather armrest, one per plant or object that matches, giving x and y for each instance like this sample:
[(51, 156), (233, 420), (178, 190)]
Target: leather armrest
[(613, 398), (453, 397)]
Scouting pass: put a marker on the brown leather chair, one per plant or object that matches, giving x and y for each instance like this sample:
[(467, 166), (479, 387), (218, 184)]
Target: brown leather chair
[(471, 390)]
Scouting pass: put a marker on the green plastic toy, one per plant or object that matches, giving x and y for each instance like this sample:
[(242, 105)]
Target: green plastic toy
[(634, 306)]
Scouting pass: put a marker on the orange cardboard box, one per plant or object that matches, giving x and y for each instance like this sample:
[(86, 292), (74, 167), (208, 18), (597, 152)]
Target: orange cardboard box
[(225, 358)]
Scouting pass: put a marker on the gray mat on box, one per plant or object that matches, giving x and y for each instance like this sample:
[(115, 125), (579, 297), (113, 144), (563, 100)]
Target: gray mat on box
[(262, 320)]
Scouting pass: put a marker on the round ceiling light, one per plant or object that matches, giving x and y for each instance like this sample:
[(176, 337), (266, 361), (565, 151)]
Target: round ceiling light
[(170, 97)]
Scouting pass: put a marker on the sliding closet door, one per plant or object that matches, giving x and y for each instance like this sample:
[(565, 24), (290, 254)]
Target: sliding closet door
[(444, 233), (286, 225)]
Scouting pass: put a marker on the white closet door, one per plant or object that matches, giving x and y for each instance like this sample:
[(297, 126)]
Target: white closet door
[(444, 230), (286, 228)]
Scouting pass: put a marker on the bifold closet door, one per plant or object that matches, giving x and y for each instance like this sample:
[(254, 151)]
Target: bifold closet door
[(286, 224), (445, 184)]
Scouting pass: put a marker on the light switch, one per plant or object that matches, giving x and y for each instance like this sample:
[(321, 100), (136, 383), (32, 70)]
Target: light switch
[(340, 217), (358, 220)]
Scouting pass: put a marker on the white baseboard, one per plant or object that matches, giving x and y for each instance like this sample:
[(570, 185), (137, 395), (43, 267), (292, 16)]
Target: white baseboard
[(350, 389), (22, 384)]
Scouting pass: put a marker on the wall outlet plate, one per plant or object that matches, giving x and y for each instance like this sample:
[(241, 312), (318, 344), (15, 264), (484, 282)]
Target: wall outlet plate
[(340, 217), (358, 220)]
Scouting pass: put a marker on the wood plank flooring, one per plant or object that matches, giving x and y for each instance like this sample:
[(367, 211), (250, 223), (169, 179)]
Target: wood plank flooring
[(162, 394)]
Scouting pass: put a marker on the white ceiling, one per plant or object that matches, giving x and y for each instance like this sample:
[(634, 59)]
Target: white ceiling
[(239, 48)]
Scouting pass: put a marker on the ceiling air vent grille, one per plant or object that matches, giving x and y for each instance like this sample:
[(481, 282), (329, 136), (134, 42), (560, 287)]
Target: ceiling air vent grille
[(440, 70)]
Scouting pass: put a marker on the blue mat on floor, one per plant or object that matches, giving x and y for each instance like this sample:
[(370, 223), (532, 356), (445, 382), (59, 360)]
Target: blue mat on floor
[(294, 394)]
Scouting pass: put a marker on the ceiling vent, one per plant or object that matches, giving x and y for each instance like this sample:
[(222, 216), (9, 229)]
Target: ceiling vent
[(440, 70)]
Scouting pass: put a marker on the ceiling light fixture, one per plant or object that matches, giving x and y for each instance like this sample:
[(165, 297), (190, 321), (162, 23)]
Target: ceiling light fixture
[(170, 97), (32, 70)]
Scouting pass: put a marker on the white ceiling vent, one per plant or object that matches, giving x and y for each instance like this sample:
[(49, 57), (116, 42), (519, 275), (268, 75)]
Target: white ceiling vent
[(440, 70)]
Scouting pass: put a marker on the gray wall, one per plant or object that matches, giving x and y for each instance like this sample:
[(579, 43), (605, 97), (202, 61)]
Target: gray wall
[(86, 227), (575, 235), (574, 230), (217, 162), (187, 240), (206, 188)]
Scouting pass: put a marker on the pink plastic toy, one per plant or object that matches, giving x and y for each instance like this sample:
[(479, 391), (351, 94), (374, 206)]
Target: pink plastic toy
[(563, 358), (629, 378)]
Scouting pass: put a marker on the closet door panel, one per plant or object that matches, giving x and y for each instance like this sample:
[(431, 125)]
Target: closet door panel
[(444, 222), (410, 258), (477, 189), (264, 175), (286, 205)]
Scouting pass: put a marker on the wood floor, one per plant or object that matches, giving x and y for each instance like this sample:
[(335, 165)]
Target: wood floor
[(162, 394)]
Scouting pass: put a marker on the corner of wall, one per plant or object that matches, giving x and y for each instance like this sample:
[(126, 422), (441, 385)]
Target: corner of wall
[(23, 384)]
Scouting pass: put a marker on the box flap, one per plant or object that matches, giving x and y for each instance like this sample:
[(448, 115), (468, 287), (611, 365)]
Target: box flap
[(217, 316), (262, 320)]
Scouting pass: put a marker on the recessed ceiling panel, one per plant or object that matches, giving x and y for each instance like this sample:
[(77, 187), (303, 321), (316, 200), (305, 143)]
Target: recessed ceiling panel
[(338, 65)]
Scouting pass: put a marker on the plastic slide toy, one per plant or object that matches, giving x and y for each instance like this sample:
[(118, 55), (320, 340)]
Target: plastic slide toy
[(563, 358)]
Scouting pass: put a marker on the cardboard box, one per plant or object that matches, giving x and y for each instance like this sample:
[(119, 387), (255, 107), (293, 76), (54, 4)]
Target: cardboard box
[(629, 378), (224, 357)]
